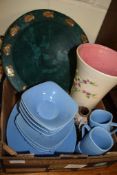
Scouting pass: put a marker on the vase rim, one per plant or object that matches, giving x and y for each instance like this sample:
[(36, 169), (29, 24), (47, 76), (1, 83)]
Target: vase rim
[(89, 66)]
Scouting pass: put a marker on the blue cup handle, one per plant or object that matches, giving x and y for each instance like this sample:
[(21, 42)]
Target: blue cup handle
[(84, 128), (115, 130), (114, 124)]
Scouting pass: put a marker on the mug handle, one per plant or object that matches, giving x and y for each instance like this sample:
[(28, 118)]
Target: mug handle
[(84, 128), (115, 130)]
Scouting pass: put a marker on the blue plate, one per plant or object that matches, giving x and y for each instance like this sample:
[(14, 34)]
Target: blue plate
[(19, 144), (15, 139), (44, 141)]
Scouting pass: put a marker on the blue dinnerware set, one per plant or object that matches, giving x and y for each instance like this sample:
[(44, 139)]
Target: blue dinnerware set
[(42, 121)]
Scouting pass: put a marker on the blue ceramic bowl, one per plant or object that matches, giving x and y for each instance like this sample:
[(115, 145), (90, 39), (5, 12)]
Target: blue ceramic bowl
[(36, 126), (49, 105)]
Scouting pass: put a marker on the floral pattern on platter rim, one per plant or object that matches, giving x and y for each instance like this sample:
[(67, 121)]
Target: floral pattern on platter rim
[(14, 30), (28, 18)]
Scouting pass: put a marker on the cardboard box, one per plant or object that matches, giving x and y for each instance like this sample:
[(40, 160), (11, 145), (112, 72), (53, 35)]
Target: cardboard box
[(11, 162)]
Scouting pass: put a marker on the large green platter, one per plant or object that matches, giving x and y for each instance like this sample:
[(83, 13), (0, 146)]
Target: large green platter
[(41, 46)]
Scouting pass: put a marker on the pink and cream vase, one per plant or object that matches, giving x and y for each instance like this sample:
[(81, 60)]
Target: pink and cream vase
[(96, 74)]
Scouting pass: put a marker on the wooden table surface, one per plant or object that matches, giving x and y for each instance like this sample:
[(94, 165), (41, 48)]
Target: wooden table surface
[(111, 170)]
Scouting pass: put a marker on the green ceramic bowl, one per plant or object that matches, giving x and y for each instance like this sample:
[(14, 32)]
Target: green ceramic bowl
[(41, 46)]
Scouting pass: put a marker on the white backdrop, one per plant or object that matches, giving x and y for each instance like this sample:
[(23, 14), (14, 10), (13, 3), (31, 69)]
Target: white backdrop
[(89, 14)]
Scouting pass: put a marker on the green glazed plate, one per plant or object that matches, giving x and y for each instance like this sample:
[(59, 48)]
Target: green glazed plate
[(41, 46)]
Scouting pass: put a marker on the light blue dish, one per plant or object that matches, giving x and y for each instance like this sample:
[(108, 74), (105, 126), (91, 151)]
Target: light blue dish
[(17, 142), (15, 139), (65, 147), (69, 144), (49, 105), (30, 120), (38, 138)]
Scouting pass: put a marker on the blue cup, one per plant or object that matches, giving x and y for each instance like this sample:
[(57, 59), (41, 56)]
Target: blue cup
[(96, 142), (103, 118)]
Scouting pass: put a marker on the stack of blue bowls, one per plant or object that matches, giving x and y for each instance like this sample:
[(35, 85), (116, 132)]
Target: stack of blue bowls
[(42, 122)]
